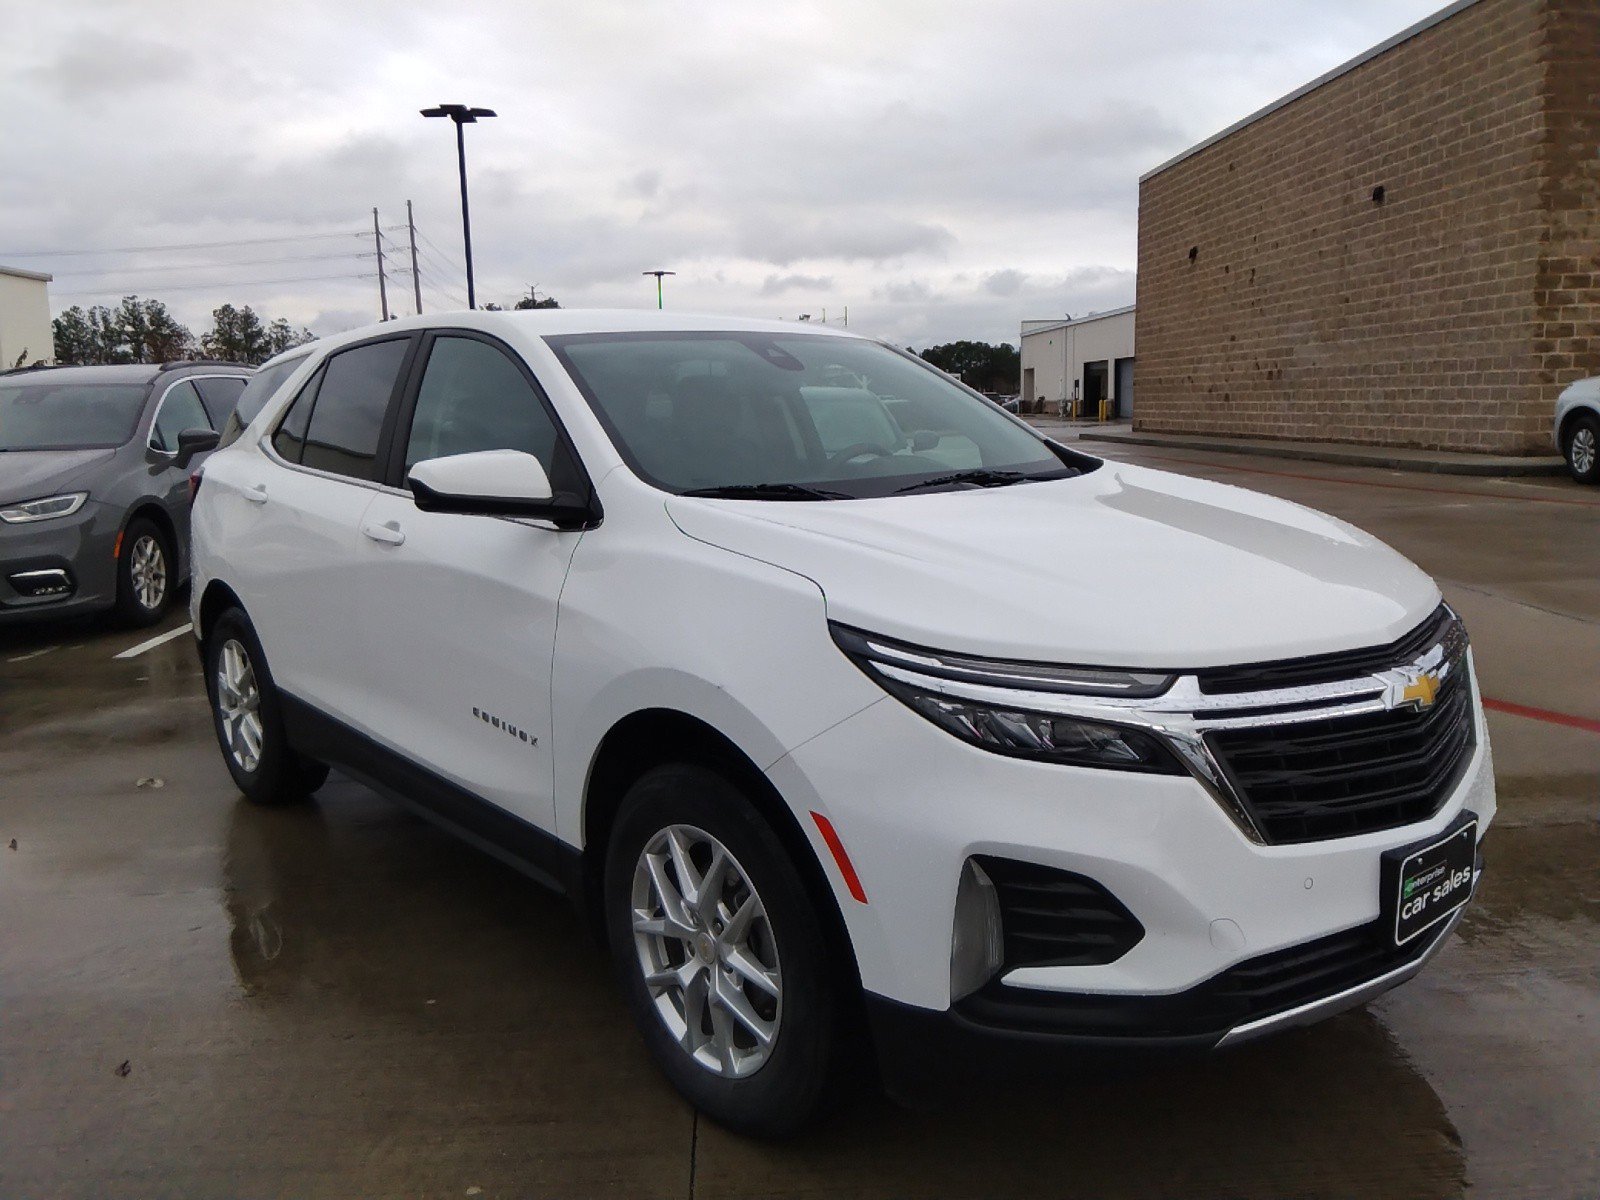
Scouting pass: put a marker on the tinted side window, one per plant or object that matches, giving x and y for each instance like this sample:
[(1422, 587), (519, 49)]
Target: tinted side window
[(474, 398), (219, 396), (290, 439), (351, 403), (180, 409)]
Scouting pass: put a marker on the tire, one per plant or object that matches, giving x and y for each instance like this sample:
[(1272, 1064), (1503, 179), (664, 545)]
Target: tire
[(248, 719), (1582, 448), (146, 574), (715, 1060)]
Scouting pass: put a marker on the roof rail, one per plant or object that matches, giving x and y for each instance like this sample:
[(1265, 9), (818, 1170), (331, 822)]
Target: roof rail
[(202, 362), (38, 366)]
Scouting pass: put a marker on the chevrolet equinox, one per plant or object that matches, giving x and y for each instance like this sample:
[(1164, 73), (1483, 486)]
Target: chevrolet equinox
[(862, 717)]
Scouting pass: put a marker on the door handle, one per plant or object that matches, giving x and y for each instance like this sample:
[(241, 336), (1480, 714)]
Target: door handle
[(257, 494), (388, 533)]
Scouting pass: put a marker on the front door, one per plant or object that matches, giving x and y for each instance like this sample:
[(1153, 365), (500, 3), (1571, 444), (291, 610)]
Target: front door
[(460, 611)]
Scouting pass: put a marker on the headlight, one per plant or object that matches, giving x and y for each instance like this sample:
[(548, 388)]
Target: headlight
[(45, 509), (931, 683)]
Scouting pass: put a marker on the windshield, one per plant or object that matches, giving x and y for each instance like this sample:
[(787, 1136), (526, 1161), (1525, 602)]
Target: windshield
[(774, 416), (68, 416)]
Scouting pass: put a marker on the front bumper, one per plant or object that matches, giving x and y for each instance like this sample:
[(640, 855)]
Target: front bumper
[(78, 547), (910, 804), (995, 1035)]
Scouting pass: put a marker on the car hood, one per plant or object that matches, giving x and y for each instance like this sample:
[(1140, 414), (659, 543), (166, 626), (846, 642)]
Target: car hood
[(34, 474), (1124, 566)]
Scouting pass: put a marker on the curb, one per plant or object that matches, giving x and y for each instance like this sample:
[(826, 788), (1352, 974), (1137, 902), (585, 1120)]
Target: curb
[(1393, 460)]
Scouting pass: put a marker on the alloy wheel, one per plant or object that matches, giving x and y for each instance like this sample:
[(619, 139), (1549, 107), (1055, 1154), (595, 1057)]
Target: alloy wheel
[(239, 705), (1583, 450), (147, 570), (706, 951)]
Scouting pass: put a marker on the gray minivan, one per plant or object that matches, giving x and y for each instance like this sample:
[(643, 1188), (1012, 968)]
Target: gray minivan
[(95, 466)]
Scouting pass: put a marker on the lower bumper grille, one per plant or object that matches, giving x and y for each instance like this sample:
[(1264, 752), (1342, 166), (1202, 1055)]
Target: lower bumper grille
[(1250, 991), (1054, 918)]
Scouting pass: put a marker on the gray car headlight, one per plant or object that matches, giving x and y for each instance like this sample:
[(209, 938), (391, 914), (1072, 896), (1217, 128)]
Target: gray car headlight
[(45, 509), (925, 681)]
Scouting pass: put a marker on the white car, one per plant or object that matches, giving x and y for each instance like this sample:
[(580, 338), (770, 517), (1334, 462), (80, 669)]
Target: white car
[(1577, 429), (834, 730)]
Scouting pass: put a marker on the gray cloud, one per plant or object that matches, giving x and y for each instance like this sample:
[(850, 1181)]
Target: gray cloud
[(943, 172), (777, 285)]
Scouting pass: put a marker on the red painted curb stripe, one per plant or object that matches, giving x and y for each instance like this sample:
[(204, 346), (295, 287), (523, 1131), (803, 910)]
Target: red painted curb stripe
[(1587, 724), (846, 868)]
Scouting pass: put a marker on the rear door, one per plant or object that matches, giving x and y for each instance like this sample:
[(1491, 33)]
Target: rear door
[(459, 612), (302, 505)]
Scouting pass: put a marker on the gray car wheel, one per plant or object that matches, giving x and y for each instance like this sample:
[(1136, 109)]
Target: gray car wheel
[(146, 574)]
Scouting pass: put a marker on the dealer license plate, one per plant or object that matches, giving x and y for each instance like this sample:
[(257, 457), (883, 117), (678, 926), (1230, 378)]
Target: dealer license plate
[(1431, 881)]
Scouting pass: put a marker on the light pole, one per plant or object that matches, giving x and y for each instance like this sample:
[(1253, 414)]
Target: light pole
[(658, 275), (463, 115)]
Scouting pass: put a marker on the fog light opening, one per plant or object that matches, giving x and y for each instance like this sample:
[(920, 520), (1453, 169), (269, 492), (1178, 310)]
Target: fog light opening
[(977, 943)]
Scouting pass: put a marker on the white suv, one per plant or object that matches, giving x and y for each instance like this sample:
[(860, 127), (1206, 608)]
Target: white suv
[(844, 706)]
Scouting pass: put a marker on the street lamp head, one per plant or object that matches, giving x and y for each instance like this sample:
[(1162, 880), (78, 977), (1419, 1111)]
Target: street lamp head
[(461, 114), (658, 274)]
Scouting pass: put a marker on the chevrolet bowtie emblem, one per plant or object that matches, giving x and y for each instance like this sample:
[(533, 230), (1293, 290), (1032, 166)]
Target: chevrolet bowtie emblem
[(1410, 687), (1421, 694)]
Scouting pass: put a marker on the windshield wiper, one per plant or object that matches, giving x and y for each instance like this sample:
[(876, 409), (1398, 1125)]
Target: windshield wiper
[(767, 491), (978, 476)]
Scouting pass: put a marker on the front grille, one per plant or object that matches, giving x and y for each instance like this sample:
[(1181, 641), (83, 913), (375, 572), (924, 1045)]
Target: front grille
[(1053, 918), (1326, 668), (1349, 775)]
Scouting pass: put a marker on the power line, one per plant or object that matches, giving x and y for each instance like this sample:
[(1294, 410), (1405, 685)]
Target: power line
[(444, 254), (214, 266), (220, 286), (301, 237)]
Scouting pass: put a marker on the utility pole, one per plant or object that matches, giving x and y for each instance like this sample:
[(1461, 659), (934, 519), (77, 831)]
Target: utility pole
[(847, 316), (416, 279), (383, 290)]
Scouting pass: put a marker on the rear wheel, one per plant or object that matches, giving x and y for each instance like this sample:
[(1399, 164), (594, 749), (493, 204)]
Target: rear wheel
[(1583, 448), (146, 574), (720, 952), (248, 719)]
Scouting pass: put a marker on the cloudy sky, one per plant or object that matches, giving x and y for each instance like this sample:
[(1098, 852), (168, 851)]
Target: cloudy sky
[(943, 169)]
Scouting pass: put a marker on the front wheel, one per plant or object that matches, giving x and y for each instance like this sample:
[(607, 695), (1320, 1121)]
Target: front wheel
[(248, 720), (720, 952), (1583, 449), (146, 574)]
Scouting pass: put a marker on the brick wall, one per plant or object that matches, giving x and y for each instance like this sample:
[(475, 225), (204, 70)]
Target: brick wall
[(1281, 295)]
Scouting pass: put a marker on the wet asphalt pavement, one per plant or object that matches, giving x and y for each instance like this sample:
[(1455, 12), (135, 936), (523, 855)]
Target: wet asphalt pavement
[(201, 998)]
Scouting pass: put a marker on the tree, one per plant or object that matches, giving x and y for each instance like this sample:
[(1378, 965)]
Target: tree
[(282, 336), (74, 340), (978, 364), (143, 331), (534, 300), (237, 335), (148, 333)]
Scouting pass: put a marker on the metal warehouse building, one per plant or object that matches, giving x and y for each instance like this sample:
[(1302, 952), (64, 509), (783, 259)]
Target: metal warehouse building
[(1082, 362), (25, 331), (1404, 252)]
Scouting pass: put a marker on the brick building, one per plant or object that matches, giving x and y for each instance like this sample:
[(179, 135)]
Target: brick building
[(1404, 252)]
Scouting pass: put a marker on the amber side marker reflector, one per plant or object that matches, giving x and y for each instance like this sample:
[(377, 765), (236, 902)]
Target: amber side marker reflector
[(846, 867)]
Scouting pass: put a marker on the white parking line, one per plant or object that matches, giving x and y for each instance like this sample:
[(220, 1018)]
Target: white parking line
[(35, 654), (159, 640)]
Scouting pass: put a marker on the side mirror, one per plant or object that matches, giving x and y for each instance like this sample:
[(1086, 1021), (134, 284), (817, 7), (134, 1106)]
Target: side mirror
[(195, 441), (496, 483), (924, 439)]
